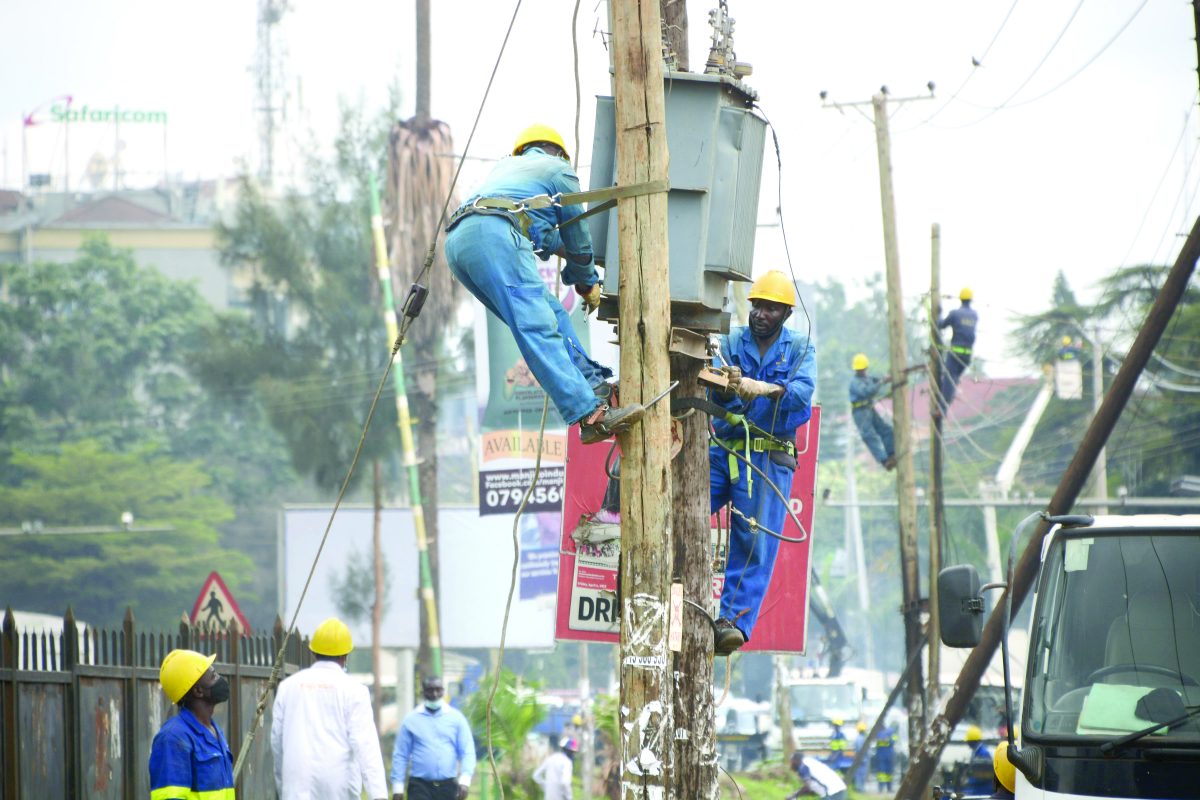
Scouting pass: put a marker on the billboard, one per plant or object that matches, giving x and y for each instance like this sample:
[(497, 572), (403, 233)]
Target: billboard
[(590, 552)]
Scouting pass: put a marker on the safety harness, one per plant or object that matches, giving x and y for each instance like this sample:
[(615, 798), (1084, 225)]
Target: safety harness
[(753, 440), (516, 210)]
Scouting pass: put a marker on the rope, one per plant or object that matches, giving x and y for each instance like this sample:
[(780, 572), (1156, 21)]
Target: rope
[(277, 667)]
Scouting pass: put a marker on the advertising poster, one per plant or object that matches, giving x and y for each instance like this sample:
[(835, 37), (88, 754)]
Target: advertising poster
[(590, 552), (512, 414)]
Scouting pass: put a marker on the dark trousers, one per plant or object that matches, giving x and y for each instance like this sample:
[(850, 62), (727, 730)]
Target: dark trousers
[(421, 789), (952, 369)]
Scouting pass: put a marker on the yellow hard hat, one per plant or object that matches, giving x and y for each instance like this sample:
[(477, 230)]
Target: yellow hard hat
[(862, 727), (1066, 340), (539, 133), (860, 362), (974, 733), (331, 638), (180, 670), (965, 294), (838, 721), (774, 286), (1006, 773), (577, 720)]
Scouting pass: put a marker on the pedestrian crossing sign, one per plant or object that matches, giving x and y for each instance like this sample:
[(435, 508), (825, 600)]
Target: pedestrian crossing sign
[(215, 607)]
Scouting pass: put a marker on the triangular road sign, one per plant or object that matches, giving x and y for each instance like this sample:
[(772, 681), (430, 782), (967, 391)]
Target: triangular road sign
[(215, 607)]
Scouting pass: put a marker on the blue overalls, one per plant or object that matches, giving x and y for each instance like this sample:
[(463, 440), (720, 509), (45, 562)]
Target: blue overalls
[(885, 758), (876, 434), (492, 257), (790, 362), (190, 762), (961, 321), (979, 772)]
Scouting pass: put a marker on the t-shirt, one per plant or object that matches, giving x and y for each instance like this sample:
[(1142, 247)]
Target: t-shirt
[(820, 777)]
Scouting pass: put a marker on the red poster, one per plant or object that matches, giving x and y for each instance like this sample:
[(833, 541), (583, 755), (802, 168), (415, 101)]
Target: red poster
[(587, 575)]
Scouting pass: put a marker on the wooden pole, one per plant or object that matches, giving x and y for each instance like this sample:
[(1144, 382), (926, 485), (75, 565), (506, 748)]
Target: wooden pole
[(646, 536), (902, 415), (1072, 482), (937, 509), (378, 598), (675, 31), (695, 769), (422, 112)]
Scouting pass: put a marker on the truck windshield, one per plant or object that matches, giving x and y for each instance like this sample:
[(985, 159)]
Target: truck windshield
[(1118, 615), (816, 702)]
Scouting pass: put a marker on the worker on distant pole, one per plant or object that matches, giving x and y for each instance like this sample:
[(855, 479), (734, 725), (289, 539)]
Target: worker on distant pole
[(1069, 349), (323, 734), (876, 433), (772, 373), (962, 322), (490, 246), (190, 757)]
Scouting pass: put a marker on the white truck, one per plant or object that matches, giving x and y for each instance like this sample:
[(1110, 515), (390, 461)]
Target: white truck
[(1111, 699)]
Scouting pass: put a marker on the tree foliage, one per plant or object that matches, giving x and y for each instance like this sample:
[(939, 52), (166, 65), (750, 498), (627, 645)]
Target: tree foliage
[(84, 484), (515, 713)]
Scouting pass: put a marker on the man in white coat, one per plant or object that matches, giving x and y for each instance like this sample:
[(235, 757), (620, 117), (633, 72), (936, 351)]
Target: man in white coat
[(323, 734), (554, 773)]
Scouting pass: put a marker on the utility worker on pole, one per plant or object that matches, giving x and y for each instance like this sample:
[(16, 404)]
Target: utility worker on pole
[(491, 247), (864, 391), (1069, 349), (323, 734), (772, 374), (190, 757), (962, 322)]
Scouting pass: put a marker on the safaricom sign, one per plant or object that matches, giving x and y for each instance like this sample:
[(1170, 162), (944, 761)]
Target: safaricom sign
[(69, 113)]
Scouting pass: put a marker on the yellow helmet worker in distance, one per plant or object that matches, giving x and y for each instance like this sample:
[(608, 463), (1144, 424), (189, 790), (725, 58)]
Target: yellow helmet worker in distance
[(974, 733), (774, 286), (539, 133), (966, 294), (331, 638), (860, 361)]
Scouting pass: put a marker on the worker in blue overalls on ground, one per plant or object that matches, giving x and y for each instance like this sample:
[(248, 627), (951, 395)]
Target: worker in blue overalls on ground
[(978, 779), (876, 434), (491, 250), (772, 373), (962, 322), (885, 758)]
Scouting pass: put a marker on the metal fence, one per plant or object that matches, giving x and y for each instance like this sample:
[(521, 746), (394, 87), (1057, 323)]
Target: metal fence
[(78, 712)]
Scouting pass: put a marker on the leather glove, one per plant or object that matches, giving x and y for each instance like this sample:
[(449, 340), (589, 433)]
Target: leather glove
[(734, 376), (748, 389), (590, 295)]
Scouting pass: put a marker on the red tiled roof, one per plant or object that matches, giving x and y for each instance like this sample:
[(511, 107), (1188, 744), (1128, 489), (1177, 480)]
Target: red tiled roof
[(112, 209)]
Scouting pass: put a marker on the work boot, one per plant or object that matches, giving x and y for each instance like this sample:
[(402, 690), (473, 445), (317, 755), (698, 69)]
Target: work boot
[(889, 463), (727, 638), (606, 420)]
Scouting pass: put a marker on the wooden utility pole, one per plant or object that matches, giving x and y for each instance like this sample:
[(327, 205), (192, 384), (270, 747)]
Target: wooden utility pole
[(937, 508), (422, 110), (1072, 482), (378, 596), (902, 415), (1100, 473), (675, 31), (644, 332), (694, 776)]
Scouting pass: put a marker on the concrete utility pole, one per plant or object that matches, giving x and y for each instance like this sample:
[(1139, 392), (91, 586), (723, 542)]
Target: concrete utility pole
[(902, 415), (1073, 481), (644, 332), (937, 509)]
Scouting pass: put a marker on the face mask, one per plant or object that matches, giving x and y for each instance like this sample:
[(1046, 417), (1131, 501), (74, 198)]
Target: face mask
[(433, 705), (219, 691)]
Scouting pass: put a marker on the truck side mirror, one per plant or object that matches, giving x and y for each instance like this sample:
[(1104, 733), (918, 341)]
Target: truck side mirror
[(960, 606)]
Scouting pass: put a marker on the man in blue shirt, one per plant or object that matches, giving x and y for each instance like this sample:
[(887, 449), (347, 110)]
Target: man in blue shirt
[(190, 758), (772, 374), (434, 751), (962, 322), (876, 434), (491, 251)]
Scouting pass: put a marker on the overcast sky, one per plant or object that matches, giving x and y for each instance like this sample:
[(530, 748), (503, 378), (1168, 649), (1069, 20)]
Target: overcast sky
[(1087, 165)]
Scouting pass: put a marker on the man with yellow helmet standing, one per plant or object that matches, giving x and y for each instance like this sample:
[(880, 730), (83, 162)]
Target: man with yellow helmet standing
[(962, 322), (980, 768), (490, 247), (190, 757), (876, 434), (323, 734), (772, 374)]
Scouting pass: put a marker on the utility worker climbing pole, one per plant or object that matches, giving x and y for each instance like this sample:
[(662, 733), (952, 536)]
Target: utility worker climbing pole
[(962, 322), (864, 391), (490, 246), (772, 373), (1069, 350)]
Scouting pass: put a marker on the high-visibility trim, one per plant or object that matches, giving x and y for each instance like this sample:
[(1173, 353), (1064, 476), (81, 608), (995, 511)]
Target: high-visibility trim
[(959, 349), (187, 793), (862, 404)]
